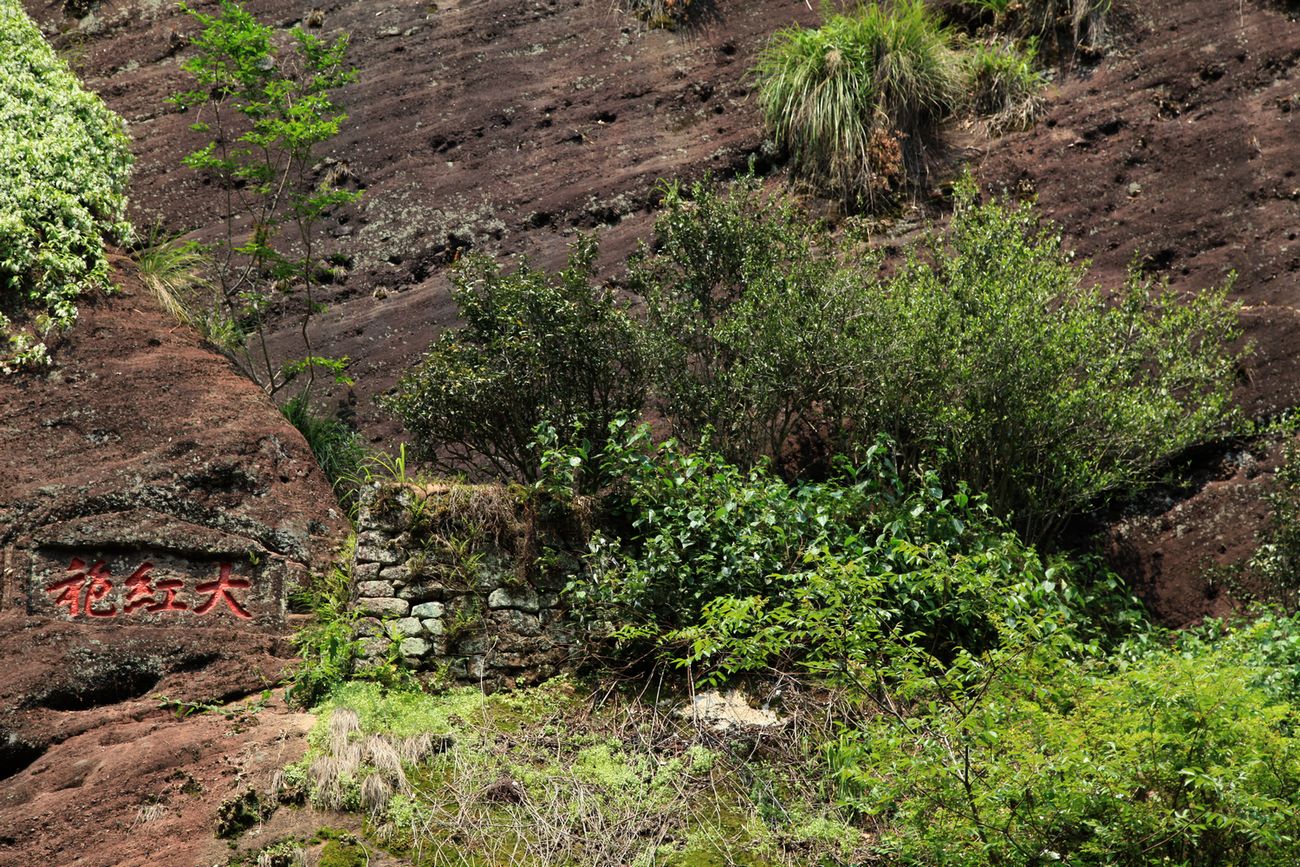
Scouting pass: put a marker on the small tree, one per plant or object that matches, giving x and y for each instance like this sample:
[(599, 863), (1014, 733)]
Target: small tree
[(536, 348), (269, 108)]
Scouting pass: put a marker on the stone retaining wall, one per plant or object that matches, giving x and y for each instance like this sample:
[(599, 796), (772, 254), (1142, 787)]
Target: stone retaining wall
[(446, 578)]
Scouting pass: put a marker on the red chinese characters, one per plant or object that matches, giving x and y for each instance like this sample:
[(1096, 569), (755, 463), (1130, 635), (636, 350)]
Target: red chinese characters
[(83, 589), (220, 589), (87, 592), (143, 593)]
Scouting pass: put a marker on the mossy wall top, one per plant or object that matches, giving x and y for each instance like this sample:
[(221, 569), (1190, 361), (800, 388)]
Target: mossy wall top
[(64, 163)]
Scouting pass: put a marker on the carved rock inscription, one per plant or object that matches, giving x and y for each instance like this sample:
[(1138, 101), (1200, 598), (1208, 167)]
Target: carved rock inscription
[(154, 588)]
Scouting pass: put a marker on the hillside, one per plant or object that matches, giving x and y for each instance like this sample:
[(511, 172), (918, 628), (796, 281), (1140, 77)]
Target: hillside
[(514, 128)]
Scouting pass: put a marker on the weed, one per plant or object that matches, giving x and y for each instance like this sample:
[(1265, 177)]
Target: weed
[(665, 14), (1064, 26), (1004, 85), (328, 645), (843, 97), (338, 448)]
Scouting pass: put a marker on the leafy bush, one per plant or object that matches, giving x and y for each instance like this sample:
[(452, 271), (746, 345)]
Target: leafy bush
[(535, 348), (733, 570), (750, 320), (984, 356), (993, 363), (64, 161), (1181, 755), (1003, 85), (855, 100)]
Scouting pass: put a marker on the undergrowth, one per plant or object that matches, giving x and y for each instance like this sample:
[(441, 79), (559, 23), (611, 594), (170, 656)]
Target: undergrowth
[(555, 775)]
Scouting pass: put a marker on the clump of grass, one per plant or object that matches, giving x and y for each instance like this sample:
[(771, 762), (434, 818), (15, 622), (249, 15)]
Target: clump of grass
[(665, 14), (337, 447), (1004, 85), (176, 272), (1063, 26), (855, 101)]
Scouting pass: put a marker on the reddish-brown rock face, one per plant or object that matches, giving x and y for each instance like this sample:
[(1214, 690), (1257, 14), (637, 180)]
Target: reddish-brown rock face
[(147, 489)]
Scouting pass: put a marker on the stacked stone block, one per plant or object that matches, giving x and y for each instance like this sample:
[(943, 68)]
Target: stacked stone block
[(445, 576)]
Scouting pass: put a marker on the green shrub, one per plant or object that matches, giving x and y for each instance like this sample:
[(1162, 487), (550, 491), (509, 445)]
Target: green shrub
[(1003, 85), (337, 447), (64, 161), (535, 348), (749, 320), (855, 101), (1181, 755), (994, 364), (984, 356), (733, 570)]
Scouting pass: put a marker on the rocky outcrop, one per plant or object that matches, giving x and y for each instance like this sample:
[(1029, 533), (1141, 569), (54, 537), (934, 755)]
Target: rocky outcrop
[(155, 511)]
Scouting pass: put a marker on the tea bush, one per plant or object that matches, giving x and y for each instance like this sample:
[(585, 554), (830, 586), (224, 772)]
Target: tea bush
[(997, 365), (985, 356), (535, 348), (732, 570), (64, 162), (750, 320)]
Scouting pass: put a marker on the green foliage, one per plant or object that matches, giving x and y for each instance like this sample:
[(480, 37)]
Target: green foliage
[(535, 348), (1174, 755), (1003, 84), (337, 447), (984, 356), (995, 365), (734, 570), (750, 320), (64, 162), (327, 645), (1272, 573), (177, 272), (855, 101), (269, 108)]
